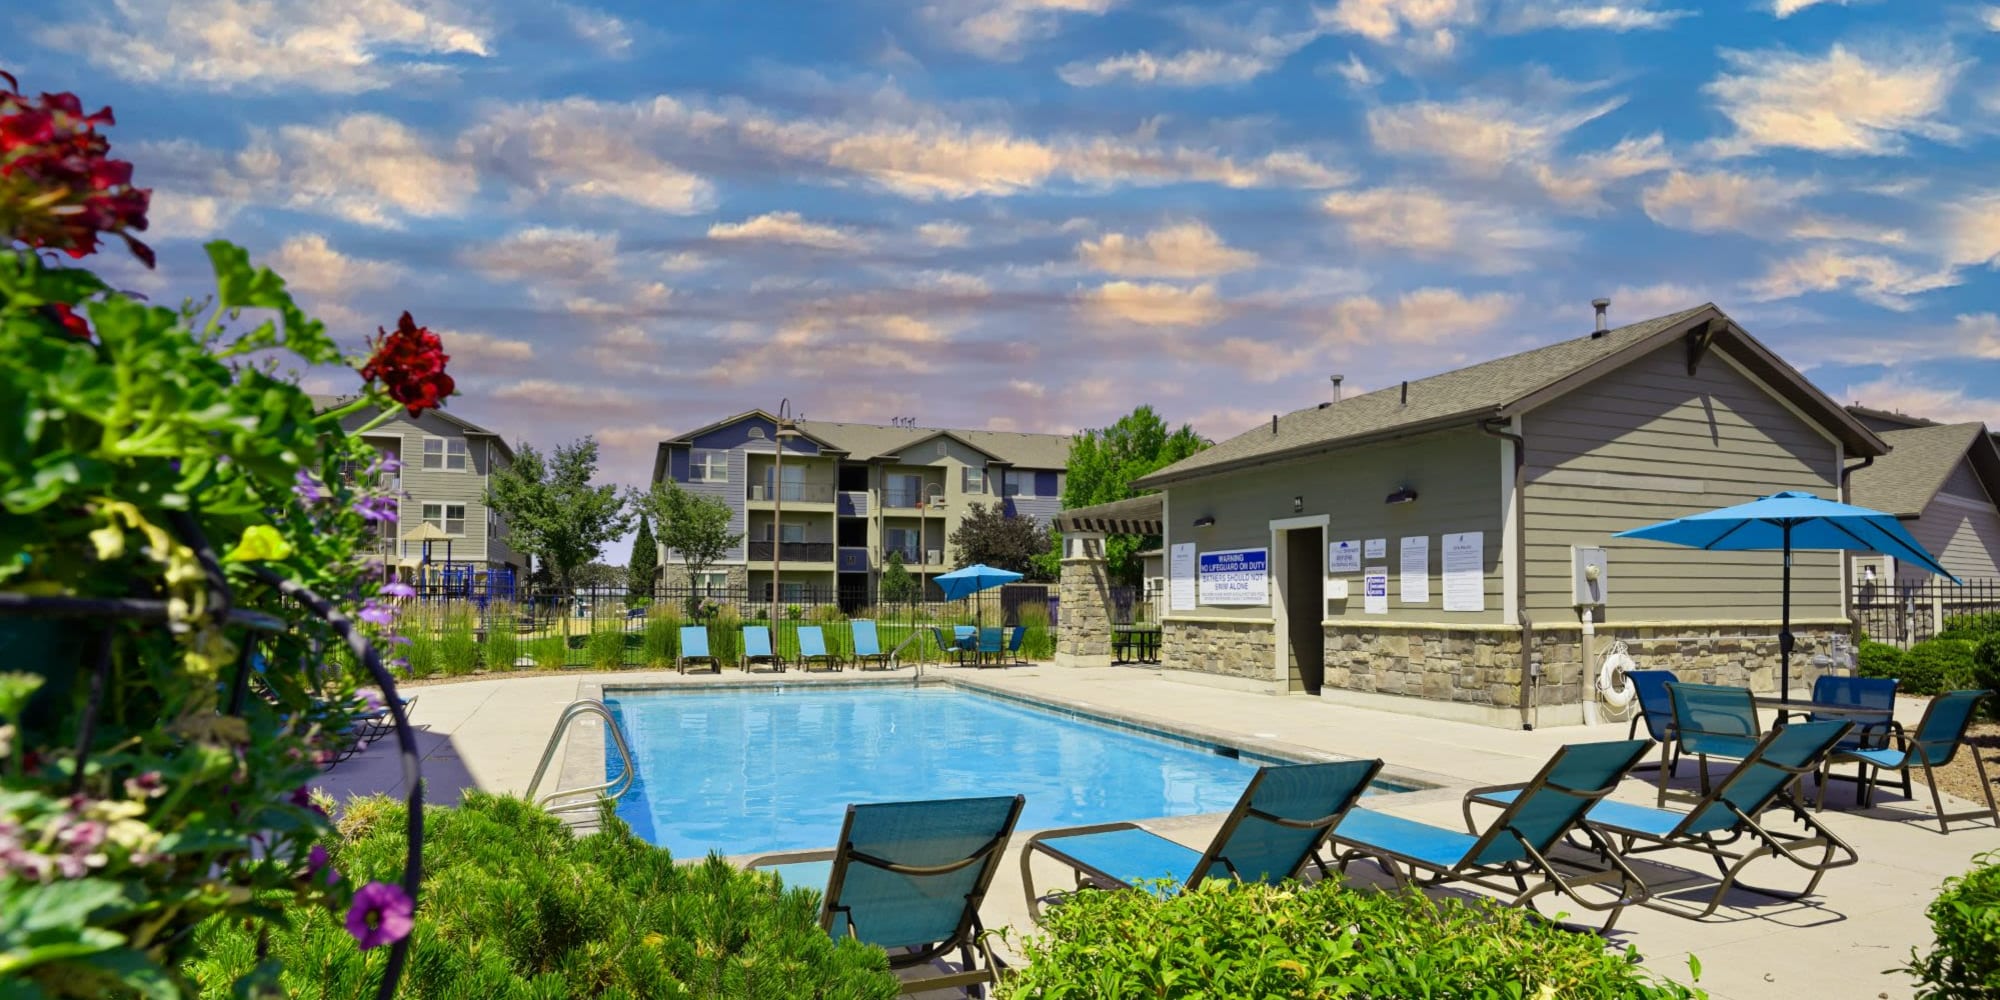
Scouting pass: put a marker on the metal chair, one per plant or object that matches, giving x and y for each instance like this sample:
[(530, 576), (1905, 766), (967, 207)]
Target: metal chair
[(1934, 744)]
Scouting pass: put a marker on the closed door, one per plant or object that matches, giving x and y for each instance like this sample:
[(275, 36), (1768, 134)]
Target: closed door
[(1305, 602)]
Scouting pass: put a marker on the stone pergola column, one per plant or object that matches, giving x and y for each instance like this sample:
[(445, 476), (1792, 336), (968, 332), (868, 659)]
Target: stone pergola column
[(1083, 625)]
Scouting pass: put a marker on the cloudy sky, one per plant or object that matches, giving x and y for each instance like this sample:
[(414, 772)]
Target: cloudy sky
[(627, 219)]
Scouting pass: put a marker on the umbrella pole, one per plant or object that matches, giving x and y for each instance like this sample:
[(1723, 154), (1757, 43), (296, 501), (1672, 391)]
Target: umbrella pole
[(1785, 629)]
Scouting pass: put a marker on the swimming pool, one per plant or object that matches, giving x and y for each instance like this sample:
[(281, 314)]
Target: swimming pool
[(752, 771)]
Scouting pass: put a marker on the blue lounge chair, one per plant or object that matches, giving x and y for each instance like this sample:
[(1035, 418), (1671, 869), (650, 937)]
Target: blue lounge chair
[(757, 649), (812, 649), (1725, 817), (1710, 720), (1933, 745), (908, 877), (867, 644), (694, 648), (1655, 710), (1511, 854), (992, 645), (1277, 826), (1014, 640), (1875, 693)]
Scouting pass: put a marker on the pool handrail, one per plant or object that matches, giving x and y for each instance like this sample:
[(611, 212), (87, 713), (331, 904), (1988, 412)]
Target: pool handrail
[(586, 797)]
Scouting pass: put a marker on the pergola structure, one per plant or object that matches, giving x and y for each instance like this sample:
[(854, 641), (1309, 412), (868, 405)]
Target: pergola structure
[(1083, 630)]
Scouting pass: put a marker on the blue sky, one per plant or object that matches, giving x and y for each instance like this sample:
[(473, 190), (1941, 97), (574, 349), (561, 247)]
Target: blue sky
[(627, 219)]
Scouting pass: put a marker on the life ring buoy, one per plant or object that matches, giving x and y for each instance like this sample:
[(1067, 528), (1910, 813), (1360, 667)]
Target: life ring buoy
[(1611, 683)]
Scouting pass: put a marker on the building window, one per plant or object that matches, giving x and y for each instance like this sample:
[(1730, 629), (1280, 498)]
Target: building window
[(444, 454), (446, 517), (708, 465), (788, 533), (1010, 483), (712, 584), (792, 593), (494, 528), (943, 448), (975, 480)]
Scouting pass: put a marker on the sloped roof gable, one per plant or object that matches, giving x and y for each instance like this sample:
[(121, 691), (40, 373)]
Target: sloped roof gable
[(1920, 459)]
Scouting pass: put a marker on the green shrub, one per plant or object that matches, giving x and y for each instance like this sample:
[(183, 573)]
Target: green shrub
[(1040, 642), (662, 642), (1226, 940), (458, 648), (423, 651), (1986, 672), (550, 652), (1975, 627), (725, 636), (1964, 962), (503, 642), (514, 905), (1878, 659), (1936, 665), (607, 648)]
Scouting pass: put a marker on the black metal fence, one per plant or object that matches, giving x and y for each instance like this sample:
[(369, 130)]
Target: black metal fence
[(1904, 614), (450, 632)]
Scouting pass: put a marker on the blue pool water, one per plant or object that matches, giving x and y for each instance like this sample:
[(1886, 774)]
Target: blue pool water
[(754, 771)]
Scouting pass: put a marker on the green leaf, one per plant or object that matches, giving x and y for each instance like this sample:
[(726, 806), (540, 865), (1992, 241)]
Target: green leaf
[(135, 970), (28, 908), (260, 543)]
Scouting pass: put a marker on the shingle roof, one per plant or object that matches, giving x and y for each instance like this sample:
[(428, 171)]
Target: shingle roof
[(324, 402), (1489, 388), (864, 441), (1919, 461)]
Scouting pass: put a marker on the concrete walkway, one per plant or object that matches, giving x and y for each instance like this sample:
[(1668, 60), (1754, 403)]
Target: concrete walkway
[(489, 734)]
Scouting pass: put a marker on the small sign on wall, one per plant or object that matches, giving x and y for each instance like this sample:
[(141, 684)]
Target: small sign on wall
[(1236, 576), (1344, 556), (1416, 567), (1375, 548), (1375, 590)]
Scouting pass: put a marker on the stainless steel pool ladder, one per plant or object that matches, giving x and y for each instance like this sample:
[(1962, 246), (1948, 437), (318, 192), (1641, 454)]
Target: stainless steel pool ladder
[(564, 800), (896, 655)]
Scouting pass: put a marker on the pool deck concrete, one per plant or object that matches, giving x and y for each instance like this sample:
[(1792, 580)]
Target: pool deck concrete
[(489, 734)]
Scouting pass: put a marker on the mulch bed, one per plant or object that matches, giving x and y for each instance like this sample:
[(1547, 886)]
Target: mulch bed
[(1959, 777)]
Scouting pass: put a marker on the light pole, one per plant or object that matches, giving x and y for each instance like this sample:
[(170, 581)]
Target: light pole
[(784, 432)]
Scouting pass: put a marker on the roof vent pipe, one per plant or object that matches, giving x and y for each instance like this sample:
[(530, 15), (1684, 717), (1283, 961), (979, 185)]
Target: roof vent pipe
[(1274, 423), (1336, 380), (1603, 306), (1406, 392)]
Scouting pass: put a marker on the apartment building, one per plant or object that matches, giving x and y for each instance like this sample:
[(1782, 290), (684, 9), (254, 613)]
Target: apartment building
[(447, 461), (851, 494)]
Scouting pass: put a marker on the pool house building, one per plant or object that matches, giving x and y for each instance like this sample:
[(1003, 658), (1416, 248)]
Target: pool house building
[(845, 496), (1442, 546)]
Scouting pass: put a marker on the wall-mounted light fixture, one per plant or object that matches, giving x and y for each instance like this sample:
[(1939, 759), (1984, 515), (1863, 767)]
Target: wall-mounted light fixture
[(1204, 521), (1403, 494), (1298, 504)]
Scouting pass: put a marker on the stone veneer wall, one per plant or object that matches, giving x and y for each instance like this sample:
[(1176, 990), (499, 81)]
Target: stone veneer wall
[(1483, 666), (1473, 666), (1228, 649), (1083, 611)]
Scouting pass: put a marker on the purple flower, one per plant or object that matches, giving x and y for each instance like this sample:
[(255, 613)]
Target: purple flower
[(306, 488), (388, 465), (302, 797), (375, 613), (376, 508), (398, 589), (381, 914), (316, 862)]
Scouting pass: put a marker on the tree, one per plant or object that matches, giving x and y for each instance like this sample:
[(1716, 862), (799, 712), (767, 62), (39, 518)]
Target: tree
[(897, 585), (599, 576), (645, 561), (552, 510), (988, 534), (1102, 464), (690, 524)]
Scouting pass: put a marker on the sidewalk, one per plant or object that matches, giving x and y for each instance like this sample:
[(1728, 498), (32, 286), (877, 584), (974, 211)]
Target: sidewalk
[(489, 734)]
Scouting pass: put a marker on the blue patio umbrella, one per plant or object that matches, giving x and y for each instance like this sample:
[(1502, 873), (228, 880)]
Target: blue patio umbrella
[(972, 579), (1790, 521)]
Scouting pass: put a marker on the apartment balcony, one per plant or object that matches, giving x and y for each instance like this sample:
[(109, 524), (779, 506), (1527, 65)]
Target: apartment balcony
[(853, 559), (851, 503), (900, 500), (806, 495), (791, 552), (927, 559)]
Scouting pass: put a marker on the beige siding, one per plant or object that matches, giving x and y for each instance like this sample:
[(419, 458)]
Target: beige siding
[(1963, 482), (1650, 442), (1457, 476), (1966, 540), (467, 487)]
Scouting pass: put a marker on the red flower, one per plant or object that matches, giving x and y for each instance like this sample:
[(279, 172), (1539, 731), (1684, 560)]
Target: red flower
[(73, 324), (58, 187), (410, 364)]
